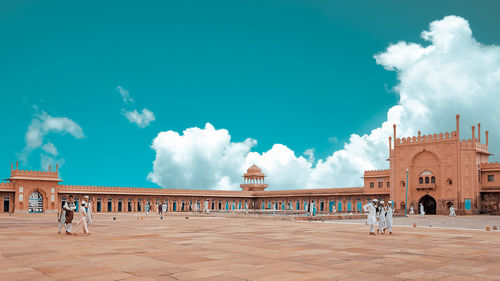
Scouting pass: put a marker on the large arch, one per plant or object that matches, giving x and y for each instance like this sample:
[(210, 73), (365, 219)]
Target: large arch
[(429, 204), (35, 202)]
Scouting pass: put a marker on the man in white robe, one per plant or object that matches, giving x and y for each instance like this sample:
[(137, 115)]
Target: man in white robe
[(371, 217), (381, 217), (412, 212), (422, 211), (88, 209), (388, 216), (452, 211), (61, 218)]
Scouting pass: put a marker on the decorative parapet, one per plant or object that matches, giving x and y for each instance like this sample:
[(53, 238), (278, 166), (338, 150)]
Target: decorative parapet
[(315, 191), (150, 191), (491, 166), (7, 186), (36, 175), (377, 173), (427, 138)]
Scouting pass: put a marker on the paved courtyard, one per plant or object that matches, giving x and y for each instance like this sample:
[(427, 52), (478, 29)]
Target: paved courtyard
[(222, 248)]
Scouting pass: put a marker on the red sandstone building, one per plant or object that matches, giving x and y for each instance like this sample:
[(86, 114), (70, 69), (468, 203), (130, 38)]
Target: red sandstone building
[(442, 169)]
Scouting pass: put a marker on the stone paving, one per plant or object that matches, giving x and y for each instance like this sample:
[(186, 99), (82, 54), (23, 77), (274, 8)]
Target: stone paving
[(222, 248)]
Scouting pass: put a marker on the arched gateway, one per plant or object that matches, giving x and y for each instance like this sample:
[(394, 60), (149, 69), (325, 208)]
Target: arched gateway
[(36, 202), (429, 204)]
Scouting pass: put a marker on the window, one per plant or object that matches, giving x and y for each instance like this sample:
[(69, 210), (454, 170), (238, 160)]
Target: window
[(403, 184), (491, 178), (388, 184), (380, 184), (450, 182), (433, 180), (421, 180), (372, 184), (426, 180)]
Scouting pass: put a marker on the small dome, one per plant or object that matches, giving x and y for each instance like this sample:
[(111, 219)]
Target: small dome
[(254, 170)]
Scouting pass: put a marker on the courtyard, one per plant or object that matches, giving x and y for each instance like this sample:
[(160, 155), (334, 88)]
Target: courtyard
[(139, 247)]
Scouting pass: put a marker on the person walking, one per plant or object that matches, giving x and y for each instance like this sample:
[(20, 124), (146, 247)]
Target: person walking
[(83, 218), (88, 209), (61, 218), (371, 216), (452, 211), (381, 217), (69, 208), (388, 216)]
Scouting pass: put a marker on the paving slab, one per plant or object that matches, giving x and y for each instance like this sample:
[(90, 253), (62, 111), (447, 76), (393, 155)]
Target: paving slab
[(235, 248)]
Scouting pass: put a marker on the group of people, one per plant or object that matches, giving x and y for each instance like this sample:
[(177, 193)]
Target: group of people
[(379, 212), (67, 214)]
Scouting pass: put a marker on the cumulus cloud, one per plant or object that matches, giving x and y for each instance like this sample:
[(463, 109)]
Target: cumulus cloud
[(452, 73), (41, 126), (199, 158), (124, 93), (141, 119)]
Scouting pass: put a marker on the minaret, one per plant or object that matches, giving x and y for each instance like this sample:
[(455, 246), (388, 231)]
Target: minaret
[(253, 179)]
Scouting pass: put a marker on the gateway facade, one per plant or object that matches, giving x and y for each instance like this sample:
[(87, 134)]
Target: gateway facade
[(437, 170)]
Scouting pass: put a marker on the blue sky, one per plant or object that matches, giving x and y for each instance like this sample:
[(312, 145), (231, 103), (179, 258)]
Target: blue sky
[(298, 73)]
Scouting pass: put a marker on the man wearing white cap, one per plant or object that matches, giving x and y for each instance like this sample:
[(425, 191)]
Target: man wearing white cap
[(381, 217), (371, 217), (388, 216), (422, 211), (88, 208), (83, 218)]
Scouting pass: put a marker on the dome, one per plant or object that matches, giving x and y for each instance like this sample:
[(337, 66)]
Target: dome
[(254, 170)]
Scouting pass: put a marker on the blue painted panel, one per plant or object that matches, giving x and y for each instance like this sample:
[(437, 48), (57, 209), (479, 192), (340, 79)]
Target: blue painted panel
[(468, 204), (359, 206), (349, 207), (298, 205), (339, 206)]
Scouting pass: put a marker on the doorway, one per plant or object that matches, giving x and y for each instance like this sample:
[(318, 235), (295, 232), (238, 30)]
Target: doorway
[(429, 204), (6, 204), (36, 202)]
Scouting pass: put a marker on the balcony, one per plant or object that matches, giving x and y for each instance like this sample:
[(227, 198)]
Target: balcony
[(426, 186)]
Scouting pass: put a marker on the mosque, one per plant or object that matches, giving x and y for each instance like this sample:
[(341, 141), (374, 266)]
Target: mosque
[(436, 170)]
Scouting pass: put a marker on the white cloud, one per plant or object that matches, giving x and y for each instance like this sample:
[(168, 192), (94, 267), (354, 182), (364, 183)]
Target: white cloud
[(452, 74), (50, 148), (124, 93), (41, 125), (141, 119)]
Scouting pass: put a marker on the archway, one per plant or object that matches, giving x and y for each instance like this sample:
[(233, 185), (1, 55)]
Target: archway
[(429, 204), (36, 202)]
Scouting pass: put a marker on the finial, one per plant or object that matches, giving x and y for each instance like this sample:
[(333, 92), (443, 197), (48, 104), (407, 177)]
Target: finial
[(57, 167), (49, 168), (17, 165), (11, 166), (479, 132)]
